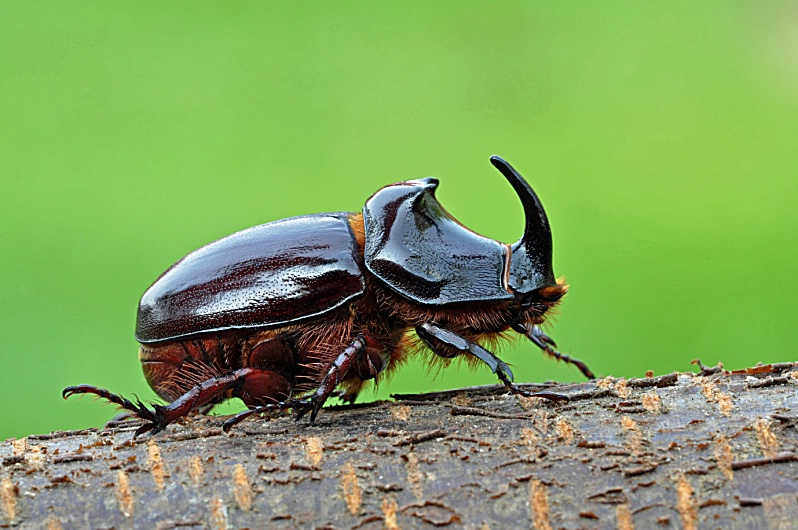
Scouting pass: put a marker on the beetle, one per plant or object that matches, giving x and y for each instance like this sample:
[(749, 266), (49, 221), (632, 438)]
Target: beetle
[(305, 305)]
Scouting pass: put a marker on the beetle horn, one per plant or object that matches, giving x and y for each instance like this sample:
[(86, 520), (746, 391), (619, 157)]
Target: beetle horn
[(530, 267)]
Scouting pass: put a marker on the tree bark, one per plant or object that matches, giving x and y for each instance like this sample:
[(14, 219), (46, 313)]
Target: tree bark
[(709, 450)]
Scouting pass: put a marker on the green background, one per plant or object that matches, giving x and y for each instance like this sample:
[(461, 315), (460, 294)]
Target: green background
[(661, 137)]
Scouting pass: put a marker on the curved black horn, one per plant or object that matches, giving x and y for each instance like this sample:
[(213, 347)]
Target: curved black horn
[(530, 268)]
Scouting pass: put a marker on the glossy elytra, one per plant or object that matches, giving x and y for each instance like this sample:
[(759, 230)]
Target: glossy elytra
[(282, 314)]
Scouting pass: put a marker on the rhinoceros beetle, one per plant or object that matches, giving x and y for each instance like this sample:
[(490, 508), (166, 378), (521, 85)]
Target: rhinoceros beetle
[(302, 306)]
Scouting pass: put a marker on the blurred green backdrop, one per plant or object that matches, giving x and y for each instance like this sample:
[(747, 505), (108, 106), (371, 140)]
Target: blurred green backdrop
[(660, 136)]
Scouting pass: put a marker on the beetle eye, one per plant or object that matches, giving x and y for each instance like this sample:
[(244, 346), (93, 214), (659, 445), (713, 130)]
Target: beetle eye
[(525, 301)]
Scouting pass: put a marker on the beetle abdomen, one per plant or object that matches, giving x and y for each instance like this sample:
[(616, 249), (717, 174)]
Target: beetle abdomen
[(172, 368), (264, 276)]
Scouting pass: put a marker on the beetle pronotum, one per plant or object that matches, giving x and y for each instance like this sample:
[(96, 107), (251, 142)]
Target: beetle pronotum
[(301, 306)]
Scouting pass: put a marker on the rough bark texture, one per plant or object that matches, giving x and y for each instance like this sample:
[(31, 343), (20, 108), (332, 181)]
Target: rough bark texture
[(713, 450)]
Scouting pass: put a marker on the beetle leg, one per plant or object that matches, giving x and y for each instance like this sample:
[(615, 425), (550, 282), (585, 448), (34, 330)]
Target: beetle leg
[(241, 416), (244, 414), (430, 332), (355, 356), (545, 343), (160, 416), (337, 372), (138, 409)]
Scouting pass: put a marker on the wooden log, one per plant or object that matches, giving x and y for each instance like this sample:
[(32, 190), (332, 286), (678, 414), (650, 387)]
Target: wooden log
[(709, 450)]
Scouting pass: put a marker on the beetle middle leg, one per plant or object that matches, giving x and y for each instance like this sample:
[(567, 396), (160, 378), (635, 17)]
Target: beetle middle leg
[(362, 356), (356, 355), (434, 335)]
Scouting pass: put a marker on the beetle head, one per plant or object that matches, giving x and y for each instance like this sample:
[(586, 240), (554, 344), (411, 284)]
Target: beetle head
[(530, 266)]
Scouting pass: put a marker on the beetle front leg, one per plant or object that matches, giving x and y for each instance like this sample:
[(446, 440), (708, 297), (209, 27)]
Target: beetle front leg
[(545, 343), (430, 333)]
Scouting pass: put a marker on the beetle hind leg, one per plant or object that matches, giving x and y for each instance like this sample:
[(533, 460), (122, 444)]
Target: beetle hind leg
[(244, 383), (137, 410)]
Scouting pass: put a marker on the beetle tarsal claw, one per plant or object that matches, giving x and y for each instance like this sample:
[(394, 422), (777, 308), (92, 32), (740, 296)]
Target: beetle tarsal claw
[(147, 427), (238, 418), (304, 406)]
